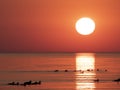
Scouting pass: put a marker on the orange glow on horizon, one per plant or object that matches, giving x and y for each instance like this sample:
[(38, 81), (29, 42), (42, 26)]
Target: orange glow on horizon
[(49, 26)]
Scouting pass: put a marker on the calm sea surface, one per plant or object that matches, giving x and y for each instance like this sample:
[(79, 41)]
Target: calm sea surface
[(60, 71)]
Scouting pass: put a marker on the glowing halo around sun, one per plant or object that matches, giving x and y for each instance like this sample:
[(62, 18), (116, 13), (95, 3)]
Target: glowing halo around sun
[(85, 26)]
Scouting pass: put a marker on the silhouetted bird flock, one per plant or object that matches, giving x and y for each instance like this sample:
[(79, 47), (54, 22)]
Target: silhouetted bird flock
[(82, 71), (27, 83)]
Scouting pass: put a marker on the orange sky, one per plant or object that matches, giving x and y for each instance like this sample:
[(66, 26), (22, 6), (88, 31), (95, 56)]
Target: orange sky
[(49, 25)]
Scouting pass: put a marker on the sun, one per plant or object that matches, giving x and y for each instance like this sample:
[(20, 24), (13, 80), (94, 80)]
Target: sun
[(85, 26)]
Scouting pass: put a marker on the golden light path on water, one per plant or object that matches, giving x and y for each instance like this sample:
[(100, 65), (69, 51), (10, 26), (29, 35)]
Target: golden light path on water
[(85, 64)]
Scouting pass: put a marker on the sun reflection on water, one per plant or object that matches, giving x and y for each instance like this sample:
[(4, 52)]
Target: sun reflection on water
[(85, 65)]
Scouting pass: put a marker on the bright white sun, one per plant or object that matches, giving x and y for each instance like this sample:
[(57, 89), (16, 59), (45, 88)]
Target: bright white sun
[(85, 26)]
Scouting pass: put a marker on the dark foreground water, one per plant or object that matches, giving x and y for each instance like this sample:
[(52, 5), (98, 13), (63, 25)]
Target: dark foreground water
[(60, 71)]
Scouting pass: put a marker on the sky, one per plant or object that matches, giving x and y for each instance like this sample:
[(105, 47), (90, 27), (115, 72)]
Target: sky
[(49, 26)]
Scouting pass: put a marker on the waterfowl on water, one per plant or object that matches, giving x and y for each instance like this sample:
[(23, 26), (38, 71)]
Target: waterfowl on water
[(26, 83)]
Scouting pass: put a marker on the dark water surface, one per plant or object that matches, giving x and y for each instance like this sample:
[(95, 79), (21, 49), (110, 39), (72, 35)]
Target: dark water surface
[(60, 71)]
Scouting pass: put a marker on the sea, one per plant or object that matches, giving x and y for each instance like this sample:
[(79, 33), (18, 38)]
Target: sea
[(60, 71)]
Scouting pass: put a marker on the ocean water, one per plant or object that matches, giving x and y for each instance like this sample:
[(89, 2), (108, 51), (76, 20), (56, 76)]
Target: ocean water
[(60, 71)]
